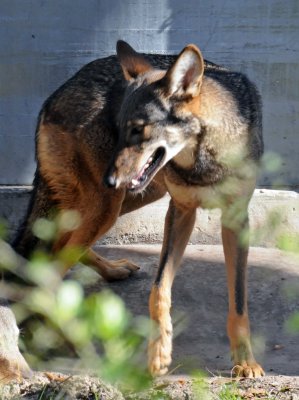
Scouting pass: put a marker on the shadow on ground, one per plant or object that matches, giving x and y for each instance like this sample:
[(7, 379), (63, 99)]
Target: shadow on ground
[(200, 305)]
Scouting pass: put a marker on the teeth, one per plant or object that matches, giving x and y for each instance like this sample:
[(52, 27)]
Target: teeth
[(148, 163), (135, 181)]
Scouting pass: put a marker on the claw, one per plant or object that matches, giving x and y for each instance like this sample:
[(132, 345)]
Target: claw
[(250, 370)]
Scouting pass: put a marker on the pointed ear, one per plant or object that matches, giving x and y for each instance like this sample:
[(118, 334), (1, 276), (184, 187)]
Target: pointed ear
[(132, 63), (184, 78)]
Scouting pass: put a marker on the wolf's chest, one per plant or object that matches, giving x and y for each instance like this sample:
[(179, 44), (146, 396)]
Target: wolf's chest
[(220, 195), (195, 196)]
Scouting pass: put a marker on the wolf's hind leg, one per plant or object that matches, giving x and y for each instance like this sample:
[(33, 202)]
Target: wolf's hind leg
[(121, 269), (41, 206), (98, 213), (238, 328), (110, 270)]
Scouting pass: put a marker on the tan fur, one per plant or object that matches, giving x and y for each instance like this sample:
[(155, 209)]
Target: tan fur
[(237, 326), (160, 345), (74, 185), (178, 226), (153, 76)]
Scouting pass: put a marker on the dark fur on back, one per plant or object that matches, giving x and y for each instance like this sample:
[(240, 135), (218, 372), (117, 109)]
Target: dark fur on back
[(88, 104)]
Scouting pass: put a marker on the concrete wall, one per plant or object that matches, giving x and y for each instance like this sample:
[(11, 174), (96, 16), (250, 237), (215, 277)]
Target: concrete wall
[(43, 42)]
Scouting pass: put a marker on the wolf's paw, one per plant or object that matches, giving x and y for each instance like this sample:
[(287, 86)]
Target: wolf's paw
[(120, 269), (159, 354), (248, 370)]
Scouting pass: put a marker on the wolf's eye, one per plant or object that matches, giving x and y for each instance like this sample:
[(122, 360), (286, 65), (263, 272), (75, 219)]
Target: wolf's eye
[(136, 130)]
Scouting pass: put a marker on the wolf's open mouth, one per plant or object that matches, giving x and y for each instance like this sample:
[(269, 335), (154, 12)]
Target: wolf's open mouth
[(148, 170)]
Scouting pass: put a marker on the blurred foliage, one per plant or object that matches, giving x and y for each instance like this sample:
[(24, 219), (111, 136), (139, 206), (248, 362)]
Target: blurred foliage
[(289, 242), (229, 392), (286, 241), (65, 328), (3, 229)]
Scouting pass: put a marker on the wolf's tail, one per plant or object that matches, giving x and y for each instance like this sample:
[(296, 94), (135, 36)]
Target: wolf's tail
[(40, 206)]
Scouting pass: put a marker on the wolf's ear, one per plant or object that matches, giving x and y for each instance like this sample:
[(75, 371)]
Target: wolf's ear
[(132, 63), (184, 78)]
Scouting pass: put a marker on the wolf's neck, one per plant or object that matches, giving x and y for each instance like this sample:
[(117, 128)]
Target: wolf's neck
[(187, 157)]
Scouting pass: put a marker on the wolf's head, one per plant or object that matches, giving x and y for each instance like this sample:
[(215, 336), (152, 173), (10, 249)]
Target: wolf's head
[(158, 116)]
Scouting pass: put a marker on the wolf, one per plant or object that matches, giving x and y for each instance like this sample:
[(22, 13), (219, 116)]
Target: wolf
[(125, 130)]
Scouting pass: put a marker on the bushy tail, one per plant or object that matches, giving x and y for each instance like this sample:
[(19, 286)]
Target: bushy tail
[(40, 206)]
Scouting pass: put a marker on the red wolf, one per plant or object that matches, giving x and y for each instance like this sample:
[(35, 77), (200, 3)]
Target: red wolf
[(122, 132)]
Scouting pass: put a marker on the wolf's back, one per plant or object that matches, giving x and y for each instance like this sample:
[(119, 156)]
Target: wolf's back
[(85, 107)]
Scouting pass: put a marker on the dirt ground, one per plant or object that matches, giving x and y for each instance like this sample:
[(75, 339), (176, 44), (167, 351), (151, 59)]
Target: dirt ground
[(200, 306), (58, 387)]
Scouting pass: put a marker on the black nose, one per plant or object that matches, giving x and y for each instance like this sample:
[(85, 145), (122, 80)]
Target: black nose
[(110, 181)]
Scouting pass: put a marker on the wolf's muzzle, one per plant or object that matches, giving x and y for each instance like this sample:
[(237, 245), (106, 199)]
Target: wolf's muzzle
[(109, 180)]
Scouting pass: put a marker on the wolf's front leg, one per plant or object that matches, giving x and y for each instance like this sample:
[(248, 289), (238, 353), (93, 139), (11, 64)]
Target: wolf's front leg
[(236, 252), (178, 227)]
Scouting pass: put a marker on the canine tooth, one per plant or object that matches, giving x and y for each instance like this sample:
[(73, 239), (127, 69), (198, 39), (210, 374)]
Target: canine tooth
[(135, 182)]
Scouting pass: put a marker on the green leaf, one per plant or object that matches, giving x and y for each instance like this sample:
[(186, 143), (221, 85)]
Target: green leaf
[(68, 300), (110, 316), (44, 229)]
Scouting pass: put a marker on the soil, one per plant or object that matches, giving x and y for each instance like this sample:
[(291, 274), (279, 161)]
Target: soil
[(58, 386)]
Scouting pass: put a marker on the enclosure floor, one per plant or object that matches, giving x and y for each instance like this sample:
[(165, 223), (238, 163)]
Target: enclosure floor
[(199, 304)]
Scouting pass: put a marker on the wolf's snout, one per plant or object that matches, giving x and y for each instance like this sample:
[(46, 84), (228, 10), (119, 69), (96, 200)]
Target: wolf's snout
[(110, 180)]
